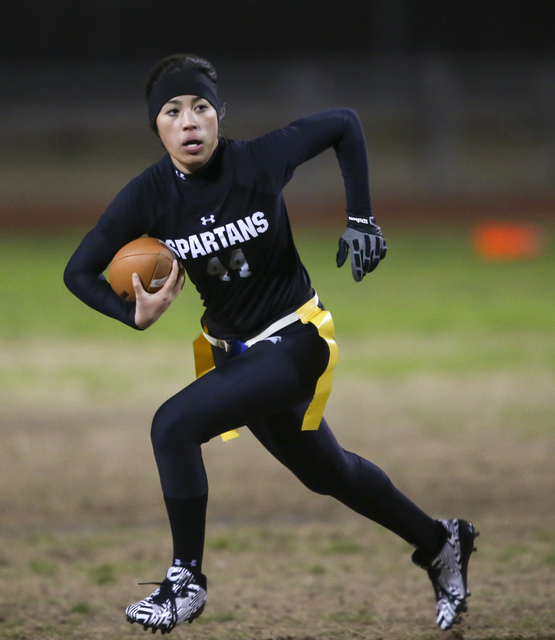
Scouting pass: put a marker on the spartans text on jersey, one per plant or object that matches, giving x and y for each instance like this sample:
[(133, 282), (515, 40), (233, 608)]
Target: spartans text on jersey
[(219, 238)]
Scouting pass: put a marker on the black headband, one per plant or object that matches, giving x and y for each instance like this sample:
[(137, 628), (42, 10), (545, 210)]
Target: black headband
[(182, 83)]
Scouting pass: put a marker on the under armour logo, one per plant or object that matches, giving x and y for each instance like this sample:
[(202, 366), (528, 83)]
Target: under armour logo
[(274, 339), (207, 219)]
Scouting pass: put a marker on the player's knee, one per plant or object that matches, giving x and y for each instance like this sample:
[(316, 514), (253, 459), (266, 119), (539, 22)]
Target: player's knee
[(170, 428), (160, 432)]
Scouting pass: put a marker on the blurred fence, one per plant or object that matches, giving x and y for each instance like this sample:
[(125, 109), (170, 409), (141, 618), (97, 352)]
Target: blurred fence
[(436, 125)]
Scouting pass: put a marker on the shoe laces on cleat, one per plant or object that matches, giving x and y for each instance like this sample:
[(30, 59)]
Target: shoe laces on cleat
[(178, 598)]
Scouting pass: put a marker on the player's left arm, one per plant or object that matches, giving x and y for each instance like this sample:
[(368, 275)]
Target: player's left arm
[(341, 130)]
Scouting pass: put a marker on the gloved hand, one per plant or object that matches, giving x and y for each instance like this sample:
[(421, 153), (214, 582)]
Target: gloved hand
[(367, 247)]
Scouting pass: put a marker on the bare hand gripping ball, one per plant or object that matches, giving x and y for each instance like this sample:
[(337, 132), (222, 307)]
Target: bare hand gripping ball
[(150, 258)]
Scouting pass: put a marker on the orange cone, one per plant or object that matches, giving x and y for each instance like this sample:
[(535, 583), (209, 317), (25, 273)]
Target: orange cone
[(508, 241)]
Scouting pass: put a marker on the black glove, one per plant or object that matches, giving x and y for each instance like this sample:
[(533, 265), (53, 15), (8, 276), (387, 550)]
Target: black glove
[(367, 247)]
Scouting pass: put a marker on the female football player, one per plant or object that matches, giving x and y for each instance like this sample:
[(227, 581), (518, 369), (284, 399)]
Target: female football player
[(266, 351)]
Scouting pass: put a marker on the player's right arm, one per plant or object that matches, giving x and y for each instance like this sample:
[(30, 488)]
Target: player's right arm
[(83, 275), (150, 306)]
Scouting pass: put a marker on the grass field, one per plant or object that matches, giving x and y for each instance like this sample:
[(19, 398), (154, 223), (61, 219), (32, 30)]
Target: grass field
[(446, 380)]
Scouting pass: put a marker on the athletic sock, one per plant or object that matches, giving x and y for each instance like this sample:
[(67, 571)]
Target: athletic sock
[(428, 553), (187, 518), (441, 538)]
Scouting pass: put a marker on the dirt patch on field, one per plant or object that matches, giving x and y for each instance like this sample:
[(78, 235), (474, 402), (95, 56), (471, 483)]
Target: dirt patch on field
[(82, 518)]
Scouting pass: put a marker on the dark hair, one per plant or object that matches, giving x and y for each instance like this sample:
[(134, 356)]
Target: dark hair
[(180, 62)]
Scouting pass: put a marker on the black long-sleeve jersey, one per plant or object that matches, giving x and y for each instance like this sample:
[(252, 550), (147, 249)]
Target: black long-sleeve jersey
[(226, 223)]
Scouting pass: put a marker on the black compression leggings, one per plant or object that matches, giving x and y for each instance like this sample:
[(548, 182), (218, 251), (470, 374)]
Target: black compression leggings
[(268, 388)]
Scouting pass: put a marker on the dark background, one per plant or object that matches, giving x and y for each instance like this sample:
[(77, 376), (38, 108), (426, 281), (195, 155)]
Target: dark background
[(133, 29), (457, 98)]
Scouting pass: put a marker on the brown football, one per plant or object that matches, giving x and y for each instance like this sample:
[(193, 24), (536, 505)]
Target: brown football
[(150, 258)]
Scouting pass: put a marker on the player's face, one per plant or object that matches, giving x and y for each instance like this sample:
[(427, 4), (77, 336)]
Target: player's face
[(188, 128)]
